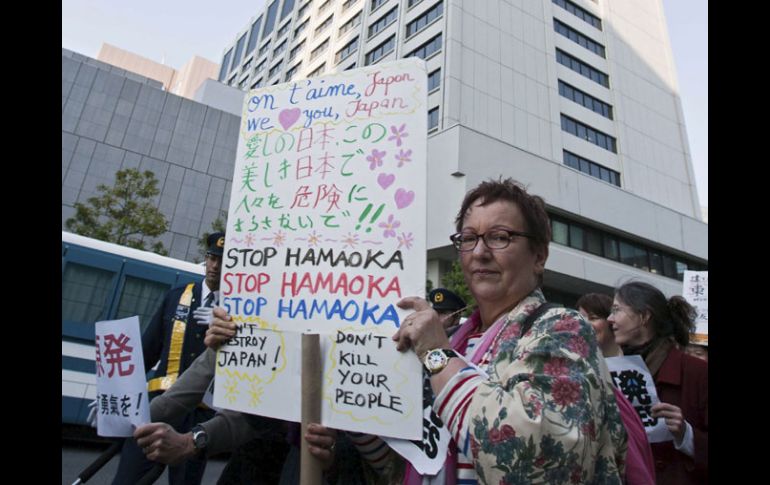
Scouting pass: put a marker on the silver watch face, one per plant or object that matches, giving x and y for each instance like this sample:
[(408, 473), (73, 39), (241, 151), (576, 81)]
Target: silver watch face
[(436, 360)]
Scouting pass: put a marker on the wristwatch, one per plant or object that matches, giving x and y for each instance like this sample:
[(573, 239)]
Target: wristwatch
[(435, 360), (200, 438)]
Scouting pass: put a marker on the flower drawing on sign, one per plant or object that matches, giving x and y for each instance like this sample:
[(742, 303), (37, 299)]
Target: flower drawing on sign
[(375, 159), (403, 157), (405, 239), (279, 238), (314, 239), (390, 226), (231, 390), (350, 240), (256, 394), (398, 134), (248, 240)]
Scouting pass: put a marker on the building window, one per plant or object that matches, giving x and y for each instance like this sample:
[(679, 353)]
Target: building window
[(287, 6), (354, 21), (274, 70), (375, 4), (284, 28), (350, 66), (427, 49), (263, 50), (239, 50), (281, 47), (580, 13), (380, 51), (582, 68), (610, 246), (584, 99), (300, 28), (318, 50), (257, 84), (383, 22), (434, 80), (423, 20), (578, 38), (272, 10), (348, 3), (303, 9), (260, 66), (254, 35), (224, 69), (591, 168), (318, 71), (324, 6), (349, 49), (292, 71), (433, 118), (412, 3), (247, 65), (243, 83), (326, 23), (231, 82), (592, 135), (295, 50)]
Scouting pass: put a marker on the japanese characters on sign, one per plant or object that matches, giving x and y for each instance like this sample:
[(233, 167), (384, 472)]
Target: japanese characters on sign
[(696, 292), (326, 232), (121, 387), (632, 377)]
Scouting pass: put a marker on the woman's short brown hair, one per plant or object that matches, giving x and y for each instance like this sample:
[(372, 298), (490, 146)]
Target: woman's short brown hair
[(532, 208)]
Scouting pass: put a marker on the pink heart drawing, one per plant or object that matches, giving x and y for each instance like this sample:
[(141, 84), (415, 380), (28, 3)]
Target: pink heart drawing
[(403, 198), (385, 180), (288, 117)]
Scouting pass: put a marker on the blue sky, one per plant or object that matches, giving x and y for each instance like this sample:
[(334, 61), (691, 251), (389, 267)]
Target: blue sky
[(172, 31)]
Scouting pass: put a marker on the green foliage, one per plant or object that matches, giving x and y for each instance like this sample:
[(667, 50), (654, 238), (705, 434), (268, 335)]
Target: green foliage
[(124, 213), (455, 281)]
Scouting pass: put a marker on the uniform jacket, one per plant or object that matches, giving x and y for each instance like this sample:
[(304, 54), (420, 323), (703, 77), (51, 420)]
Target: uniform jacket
[(156, 339), (682, 380)]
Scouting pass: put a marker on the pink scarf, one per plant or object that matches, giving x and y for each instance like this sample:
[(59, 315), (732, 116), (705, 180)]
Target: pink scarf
[(459, 343)]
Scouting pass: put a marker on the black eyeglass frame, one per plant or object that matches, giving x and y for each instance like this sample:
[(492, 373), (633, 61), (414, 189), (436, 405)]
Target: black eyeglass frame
[(511, 234)]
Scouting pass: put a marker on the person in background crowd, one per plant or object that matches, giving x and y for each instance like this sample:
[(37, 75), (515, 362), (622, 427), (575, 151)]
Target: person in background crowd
[(595, 307), (640, 465), (648, 324), (171, 342), (449, 307)]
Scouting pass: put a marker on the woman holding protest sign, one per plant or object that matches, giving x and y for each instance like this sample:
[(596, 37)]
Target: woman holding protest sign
[(521, 386), (649, 325)]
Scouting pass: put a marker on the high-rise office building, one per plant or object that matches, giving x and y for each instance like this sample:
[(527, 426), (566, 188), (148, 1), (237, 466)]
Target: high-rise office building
[(577, 99)]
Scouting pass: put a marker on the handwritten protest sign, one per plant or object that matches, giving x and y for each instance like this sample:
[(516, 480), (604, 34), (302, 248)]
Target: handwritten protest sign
[(696, 292), (632, 377), (326, 232), (121, 387)]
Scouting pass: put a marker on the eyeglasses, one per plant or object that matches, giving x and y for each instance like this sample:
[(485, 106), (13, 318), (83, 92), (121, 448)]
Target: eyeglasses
[(494, 239)]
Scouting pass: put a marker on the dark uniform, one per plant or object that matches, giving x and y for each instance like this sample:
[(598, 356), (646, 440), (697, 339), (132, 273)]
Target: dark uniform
[(176, 340), (445, 301)]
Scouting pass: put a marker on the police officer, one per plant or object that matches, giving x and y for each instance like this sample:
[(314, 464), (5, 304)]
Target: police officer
[(171, 342), (448, 305)]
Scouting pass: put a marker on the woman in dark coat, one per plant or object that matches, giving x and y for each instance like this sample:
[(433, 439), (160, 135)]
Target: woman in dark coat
[(647, 324)]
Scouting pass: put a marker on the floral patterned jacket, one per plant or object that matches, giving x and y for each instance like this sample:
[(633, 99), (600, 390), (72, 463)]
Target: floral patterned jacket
[(546, 413)]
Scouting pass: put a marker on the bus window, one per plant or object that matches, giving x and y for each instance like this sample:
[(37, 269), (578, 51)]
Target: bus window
[(140, 297), (84, 293)]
